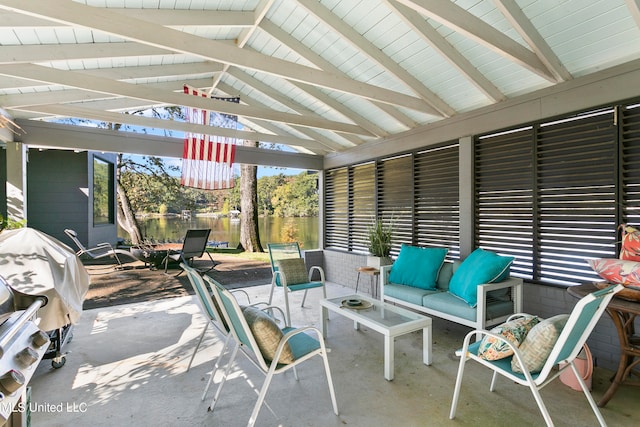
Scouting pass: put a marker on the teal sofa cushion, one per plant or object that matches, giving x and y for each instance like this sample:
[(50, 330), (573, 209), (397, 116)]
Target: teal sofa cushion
[(445, 274), (417, 267), (479, 267), (407, 293), (446, 302)]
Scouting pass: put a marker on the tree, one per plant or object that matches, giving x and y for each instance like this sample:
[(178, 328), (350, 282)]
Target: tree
[(297, 197), (249, 234), (139, 183), (267, 185)]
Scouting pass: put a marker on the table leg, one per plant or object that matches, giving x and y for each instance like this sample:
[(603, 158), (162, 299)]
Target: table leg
[(624, 326), (374, 287), (389, 361), (426, 345)]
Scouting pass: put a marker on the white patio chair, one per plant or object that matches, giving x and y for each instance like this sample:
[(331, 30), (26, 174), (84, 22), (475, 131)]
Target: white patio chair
[(212, 313), (575, 332), (293, 348), (290, 273), (102, 250)]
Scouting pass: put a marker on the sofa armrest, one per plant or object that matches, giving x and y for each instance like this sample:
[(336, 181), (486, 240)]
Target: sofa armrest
[(384, 279), (516, 285)]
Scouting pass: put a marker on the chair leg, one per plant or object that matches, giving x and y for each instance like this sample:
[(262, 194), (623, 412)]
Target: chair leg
[(216, 365), (224, 377), (541, 405), (327, 372), (166, 263), (304, 297), (585, 389), (286, 305), (456, 390), (262, 395), (273, 285), (195, 350), (492, 387)]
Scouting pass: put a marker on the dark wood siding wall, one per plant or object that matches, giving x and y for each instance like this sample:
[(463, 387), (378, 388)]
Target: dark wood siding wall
[(57, 192)]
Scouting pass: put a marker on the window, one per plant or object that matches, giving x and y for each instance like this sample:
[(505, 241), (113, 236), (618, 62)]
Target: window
[(103, 192)]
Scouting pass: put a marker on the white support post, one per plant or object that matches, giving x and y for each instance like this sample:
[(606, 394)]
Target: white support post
[(16, 181)]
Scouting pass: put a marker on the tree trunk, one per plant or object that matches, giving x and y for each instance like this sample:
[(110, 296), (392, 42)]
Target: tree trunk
[(249, 234), (126, 216)]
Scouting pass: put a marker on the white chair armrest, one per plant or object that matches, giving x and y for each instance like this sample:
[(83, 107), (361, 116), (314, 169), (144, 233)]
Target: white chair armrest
[(384, 275), (319, 270)]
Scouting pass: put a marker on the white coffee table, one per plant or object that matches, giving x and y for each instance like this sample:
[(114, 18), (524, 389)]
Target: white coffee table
[(389, 320)]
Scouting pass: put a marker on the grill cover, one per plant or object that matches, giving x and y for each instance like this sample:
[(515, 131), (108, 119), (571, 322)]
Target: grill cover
[(35, 263)]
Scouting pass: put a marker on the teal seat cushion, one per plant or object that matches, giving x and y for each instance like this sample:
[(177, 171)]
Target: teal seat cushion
[(502, 364), (417, 267), (448, 303), (407, 293), (301, 344), (479, 267)]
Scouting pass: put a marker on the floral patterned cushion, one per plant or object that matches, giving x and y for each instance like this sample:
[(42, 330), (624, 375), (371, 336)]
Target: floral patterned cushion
[(613, 270), (294, 270), (537, 346), (630, 249), (514, 331), (267, 335)]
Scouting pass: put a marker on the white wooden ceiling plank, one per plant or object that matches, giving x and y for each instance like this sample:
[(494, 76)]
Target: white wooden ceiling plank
[(297, 46), (530, 34), (634, 9), (93, 83), (366, 47), (165, 17), (60, 52), (466, 23), (150, 122), (101, 19), (300, 109), (455, 58)]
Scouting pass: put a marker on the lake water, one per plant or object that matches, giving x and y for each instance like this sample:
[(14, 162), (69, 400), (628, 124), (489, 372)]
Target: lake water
[(227, 230)]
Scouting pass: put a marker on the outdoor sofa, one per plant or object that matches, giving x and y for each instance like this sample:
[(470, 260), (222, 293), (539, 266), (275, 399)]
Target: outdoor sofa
[(477, 292)]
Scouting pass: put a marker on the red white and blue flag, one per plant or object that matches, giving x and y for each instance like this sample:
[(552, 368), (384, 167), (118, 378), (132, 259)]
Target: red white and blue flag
[(207, 161)]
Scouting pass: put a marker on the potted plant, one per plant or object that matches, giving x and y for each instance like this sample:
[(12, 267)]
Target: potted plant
[(379, 235)]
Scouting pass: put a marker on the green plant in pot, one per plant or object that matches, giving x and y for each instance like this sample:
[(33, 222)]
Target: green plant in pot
[(379, 235)]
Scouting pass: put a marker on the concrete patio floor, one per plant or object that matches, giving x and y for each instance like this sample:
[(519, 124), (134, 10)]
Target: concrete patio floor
[(127, 365)]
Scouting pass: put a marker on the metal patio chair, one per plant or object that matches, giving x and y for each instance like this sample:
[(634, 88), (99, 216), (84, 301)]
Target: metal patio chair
[(210, 310), (290, 273), (295, 346), (102, 250), (570, 341), (193, 246)]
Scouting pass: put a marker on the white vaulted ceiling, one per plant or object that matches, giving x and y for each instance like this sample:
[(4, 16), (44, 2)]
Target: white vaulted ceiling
[(320, 76)]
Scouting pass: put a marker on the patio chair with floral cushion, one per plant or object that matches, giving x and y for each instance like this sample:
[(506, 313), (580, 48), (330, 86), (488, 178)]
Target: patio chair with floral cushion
[(548, 343)]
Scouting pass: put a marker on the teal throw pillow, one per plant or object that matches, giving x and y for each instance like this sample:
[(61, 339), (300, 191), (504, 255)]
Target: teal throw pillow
[(417, 267), (478, 268)]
